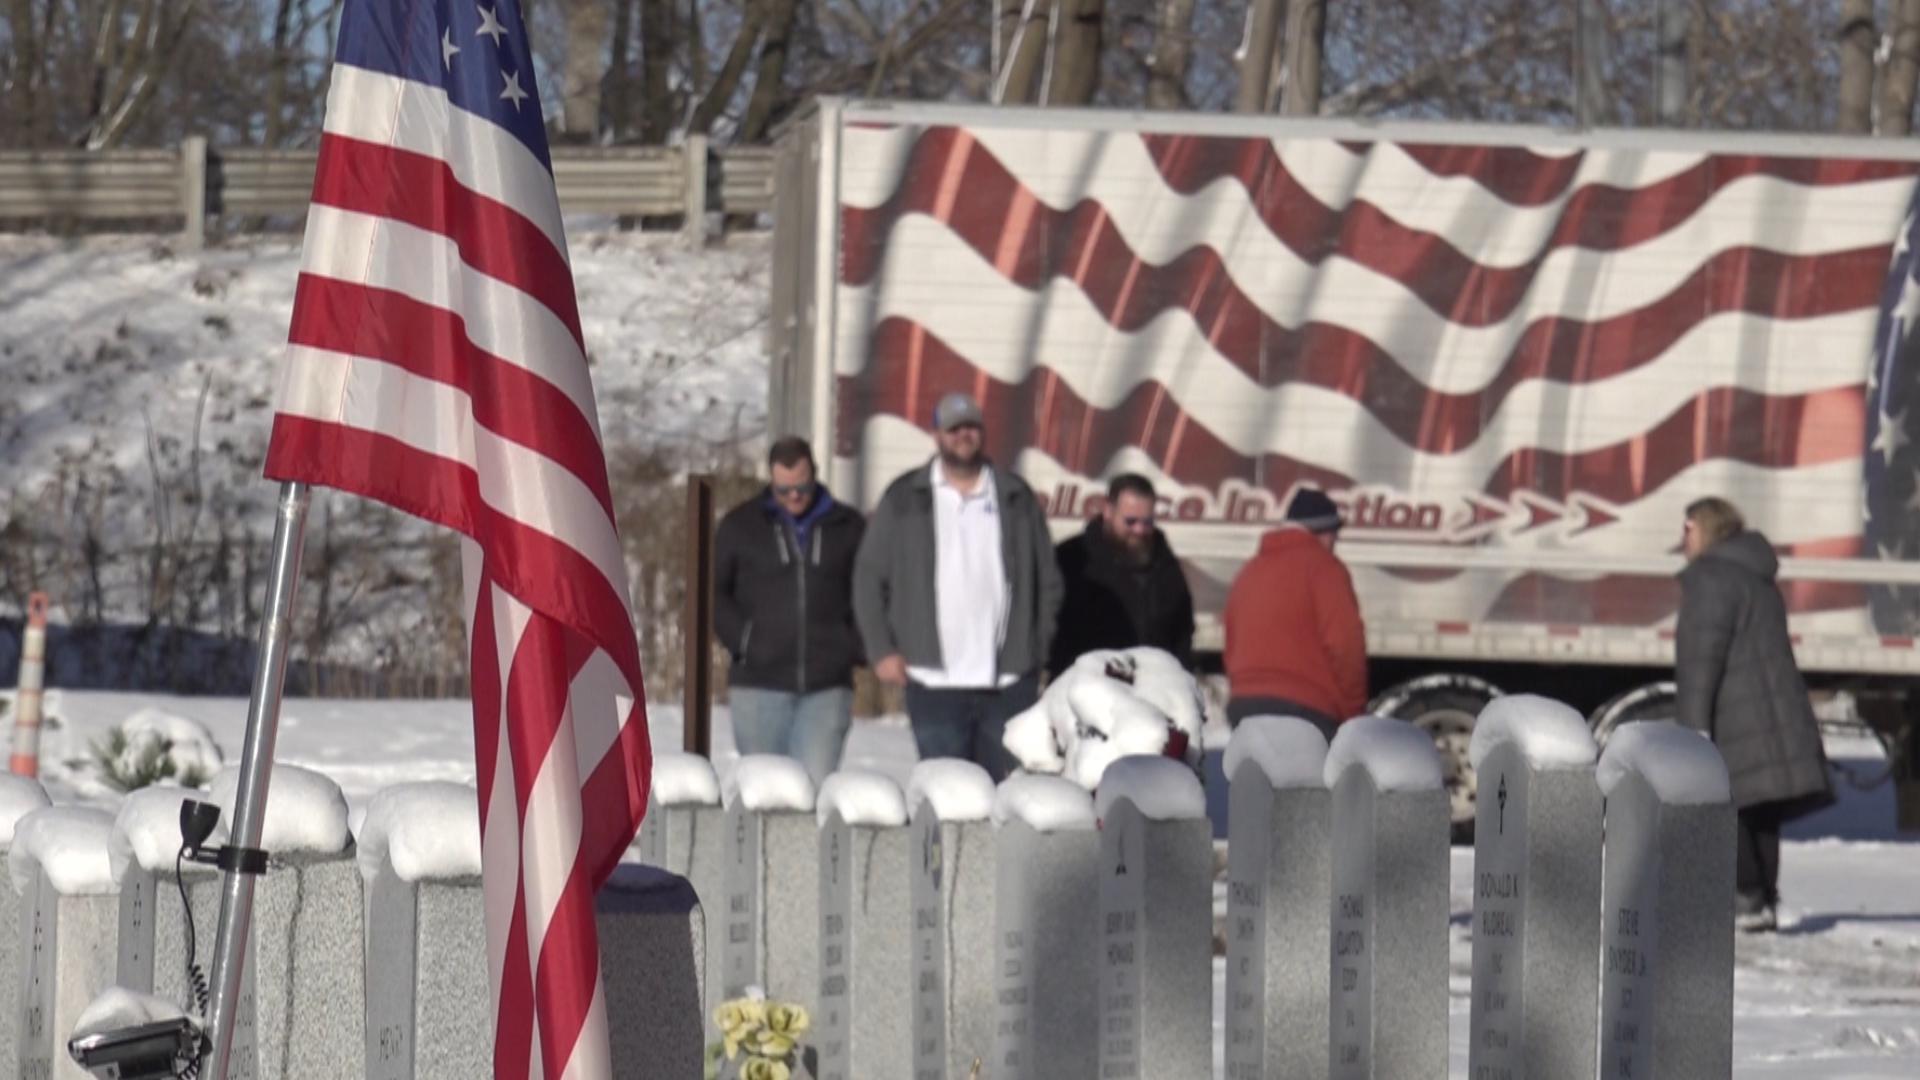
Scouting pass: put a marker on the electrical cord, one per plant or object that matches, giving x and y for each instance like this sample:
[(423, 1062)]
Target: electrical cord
[(197, 991)]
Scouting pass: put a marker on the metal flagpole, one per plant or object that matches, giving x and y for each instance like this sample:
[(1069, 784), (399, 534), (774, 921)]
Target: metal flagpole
[(242, 860)]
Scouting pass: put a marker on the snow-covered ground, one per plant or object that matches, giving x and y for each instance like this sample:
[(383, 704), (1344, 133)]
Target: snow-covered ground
[(1835, 995)]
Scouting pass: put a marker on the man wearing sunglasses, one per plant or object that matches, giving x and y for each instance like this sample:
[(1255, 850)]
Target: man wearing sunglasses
[(956, 593), (782, 598), (1124, 587)]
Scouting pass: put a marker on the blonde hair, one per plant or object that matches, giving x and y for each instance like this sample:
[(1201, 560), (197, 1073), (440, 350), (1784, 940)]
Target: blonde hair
[(1716, 518)]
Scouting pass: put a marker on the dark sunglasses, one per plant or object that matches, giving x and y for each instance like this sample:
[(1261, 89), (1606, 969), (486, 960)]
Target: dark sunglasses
[(788, 491)]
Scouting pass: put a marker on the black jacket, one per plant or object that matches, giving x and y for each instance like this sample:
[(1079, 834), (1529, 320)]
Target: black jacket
[(786, 614), (1114, 603), (1737, 678)]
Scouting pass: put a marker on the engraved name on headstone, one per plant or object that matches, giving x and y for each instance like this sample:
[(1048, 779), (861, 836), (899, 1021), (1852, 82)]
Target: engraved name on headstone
[(953, 902)]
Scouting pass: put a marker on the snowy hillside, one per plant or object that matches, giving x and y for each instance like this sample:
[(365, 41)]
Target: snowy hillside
[(138, 387)]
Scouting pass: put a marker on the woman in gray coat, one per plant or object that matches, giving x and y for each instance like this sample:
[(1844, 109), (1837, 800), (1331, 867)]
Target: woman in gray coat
[(1739, 685)]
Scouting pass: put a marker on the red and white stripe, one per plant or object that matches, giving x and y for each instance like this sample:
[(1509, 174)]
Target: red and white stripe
[(435, 363)]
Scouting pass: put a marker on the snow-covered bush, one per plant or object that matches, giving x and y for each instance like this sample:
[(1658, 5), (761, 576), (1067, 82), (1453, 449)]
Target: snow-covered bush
[(151, 746)]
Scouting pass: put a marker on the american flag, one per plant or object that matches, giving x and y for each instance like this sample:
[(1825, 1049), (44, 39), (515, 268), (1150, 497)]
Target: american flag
[(1548, 346), (435, 363), (1892, 492)]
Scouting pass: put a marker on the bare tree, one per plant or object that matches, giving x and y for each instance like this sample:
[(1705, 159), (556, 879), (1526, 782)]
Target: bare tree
[(1903, 70), (656, 69), (1074, 71), (133, 50), (1857, 38), (769, 81), (1256, 56), (1172, 55), (727, 81), (1023, 27), (580, 76), (1306, 43)]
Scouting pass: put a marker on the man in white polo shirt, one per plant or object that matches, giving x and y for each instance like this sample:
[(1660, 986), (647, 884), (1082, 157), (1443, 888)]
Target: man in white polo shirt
[(955, 591)]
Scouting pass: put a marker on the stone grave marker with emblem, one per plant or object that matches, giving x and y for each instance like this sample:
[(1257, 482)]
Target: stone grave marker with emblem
[(1046, 898), (1155, 956), (1279, 874), (1536, 893), (1390, 904), (864, 1023), (953, 907), (1667, 888)]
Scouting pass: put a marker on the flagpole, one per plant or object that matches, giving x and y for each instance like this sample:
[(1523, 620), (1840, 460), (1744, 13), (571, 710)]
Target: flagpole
[(242, 860)]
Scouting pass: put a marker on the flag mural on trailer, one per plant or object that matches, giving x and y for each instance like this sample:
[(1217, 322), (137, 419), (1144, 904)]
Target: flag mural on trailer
[(1471, 346), (435, 363)]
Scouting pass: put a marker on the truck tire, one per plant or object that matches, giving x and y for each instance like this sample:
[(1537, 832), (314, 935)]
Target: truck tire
[(1654, 701), (1446, 706)]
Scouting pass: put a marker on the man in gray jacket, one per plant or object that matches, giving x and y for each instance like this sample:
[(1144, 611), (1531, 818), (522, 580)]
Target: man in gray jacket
[(1739, 686), (955, 592)]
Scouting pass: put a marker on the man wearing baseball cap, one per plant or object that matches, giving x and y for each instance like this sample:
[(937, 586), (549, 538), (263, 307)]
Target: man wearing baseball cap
[(955, 592), (1295, 642)]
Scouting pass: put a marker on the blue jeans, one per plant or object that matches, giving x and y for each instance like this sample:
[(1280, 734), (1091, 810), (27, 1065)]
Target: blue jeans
[(969, 723), (810, 728)]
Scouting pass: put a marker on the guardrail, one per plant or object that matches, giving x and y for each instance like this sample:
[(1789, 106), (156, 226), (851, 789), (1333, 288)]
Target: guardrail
[(197, 183)]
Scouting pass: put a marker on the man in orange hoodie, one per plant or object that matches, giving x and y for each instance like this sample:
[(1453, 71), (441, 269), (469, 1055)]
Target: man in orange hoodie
[(1295, 642)]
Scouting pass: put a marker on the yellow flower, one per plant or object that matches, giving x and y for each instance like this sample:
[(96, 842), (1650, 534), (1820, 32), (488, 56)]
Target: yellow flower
[(772, 1044), (754, 1011), (727, 1016), (788, 1020), (759, 1068)]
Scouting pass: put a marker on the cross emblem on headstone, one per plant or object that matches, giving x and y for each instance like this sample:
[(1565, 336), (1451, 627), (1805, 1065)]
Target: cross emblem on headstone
[(1501, 795)]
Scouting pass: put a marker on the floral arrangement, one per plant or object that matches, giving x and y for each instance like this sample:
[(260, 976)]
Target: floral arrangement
[(759, 1039)]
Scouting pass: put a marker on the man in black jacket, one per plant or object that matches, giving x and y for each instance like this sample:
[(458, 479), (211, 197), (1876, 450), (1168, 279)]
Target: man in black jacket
[(783, 581), (1123, 585)]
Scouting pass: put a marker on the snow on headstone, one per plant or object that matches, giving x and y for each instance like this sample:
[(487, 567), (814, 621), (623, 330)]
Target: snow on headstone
[(768, 782), (419, 852), (1156, 920), (1390, 872), (1667, 889), (1046, 882), (306, 810), (1279, 874), (684, 833), (1536, 889), (118, 1007), (69, 915), (863, 1024), (953, 909), (19, 796), (959, 790)]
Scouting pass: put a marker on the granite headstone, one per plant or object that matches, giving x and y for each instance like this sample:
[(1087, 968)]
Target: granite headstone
[(652, 939), (1536, 893), (864, 1022), (19, 796), (1155, 921), (772, 883), (953, 909), (69, 916), (1279, 874), (1046, 887), (1390, 881), (1667, 889), (684, 833)]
